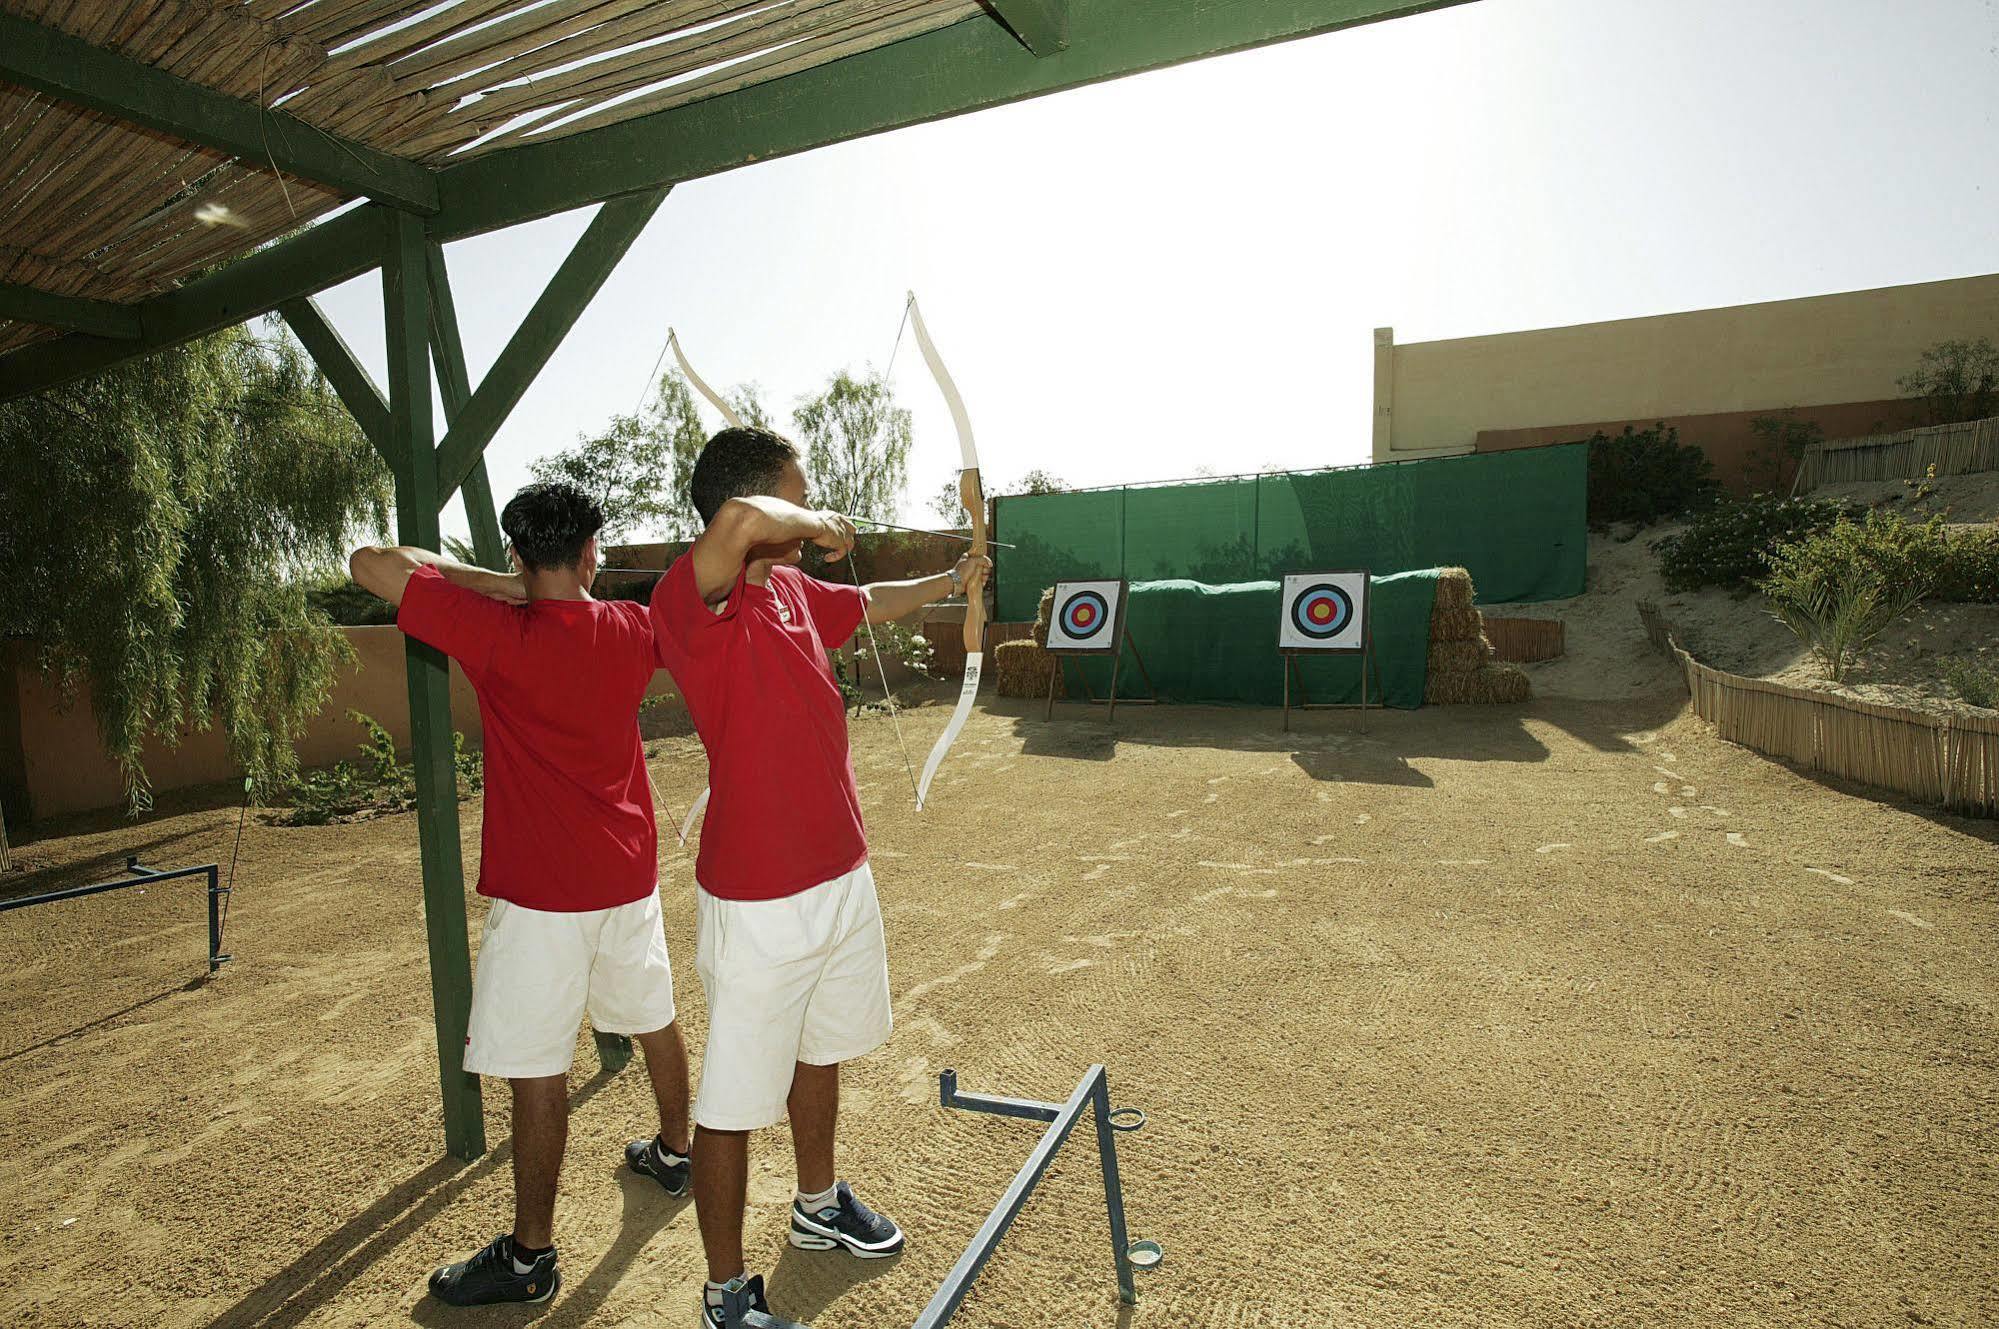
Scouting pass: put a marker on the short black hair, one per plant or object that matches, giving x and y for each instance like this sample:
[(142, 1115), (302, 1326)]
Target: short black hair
[(549, 522), (736, 463)]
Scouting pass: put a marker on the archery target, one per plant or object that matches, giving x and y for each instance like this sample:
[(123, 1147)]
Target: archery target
[(1084, 616), (1323, 611)]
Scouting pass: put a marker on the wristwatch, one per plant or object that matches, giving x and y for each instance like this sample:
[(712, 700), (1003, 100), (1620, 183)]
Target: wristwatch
[(957, 582)]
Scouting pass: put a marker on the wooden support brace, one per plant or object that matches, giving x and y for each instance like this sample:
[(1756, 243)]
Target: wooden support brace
[(448, 352), (568, 293)]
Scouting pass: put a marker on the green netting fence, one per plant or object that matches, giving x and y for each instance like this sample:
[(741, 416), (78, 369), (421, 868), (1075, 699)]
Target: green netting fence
[(1515, 519), (1203, 643)]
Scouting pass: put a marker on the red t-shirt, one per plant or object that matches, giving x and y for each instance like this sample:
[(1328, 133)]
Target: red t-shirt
[(569, 820), (783, 814)]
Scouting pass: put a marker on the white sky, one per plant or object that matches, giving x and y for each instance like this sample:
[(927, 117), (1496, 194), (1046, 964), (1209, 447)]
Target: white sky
[(1139, 279)]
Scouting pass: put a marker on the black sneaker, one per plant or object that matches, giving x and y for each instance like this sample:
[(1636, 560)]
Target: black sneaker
[(749, 1292), (488, 1278), (650, 1158), (846, 1222)]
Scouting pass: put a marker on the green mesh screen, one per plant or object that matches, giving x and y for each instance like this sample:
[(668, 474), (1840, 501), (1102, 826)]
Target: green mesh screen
[(1515, 519), (1198, 642)]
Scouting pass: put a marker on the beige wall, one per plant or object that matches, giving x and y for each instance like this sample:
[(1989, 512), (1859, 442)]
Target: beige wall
[(52, 763), (1437, 397), (66, 769)]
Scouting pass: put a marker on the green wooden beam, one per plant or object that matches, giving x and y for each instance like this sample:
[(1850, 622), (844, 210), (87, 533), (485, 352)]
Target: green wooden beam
[(343, 369), (406, 311), (324, 255), (48, 61), (568, 293), (1041, 25), (965, 67), (447, 352), (71, 313)]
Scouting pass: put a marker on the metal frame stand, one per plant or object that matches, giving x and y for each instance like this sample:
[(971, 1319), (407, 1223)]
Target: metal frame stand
[(141, 875), (1093, 1092), (1117, 663), (1305, 702)]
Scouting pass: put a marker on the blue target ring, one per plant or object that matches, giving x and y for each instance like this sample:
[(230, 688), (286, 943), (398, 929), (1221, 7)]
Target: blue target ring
[(1084, 615), (1321, 611)]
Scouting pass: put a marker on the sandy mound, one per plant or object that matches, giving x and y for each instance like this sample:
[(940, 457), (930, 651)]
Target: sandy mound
[(1609, 657)]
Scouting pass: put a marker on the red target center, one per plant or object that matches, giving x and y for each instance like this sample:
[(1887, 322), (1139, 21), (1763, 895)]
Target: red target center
[(1084, 614), (1321, 612)]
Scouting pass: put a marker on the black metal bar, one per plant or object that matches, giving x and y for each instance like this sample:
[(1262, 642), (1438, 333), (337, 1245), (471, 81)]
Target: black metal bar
[(141, 875), (958, 1283), (216, 890)]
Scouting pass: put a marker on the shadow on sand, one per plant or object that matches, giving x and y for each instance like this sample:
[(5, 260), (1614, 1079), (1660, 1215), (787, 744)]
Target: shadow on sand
[(1329, 745), (317, 1277)]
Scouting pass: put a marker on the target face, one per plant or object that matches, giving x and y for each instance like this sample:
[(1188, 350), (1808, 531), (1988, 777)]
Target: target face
[(1323, 611), (1084, 616)]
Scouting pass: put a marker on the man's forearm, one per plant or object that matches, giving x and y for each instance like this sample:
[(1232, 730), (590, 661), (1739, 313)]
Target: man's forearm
[(497, 585), (763, 520), (890, 600), (386, 570)]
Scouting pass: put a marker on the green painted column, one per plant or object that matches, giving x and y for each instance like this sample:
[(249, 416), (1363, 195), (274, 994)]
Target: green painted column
[(456, 387), (406, 310)]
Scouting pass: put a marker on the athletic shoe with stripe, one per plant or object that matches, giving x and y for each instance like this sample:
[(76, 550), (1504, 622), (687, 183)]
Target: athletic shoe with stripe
[(650, 1158), (487, 1278), (714, 1315), (846, 1223)]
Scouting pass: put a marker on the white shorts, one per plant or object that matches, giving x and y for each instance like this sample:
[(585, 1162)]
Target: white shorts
[(539, 971), (804, 978)]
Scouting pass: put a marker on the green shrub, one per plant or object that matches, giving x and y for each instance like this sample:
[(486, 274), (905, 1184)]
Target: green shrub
[(1730, 544), (1644, 476), (348, 605), (1839, 588), (1970, 570), (380, 784), (1972, 682)]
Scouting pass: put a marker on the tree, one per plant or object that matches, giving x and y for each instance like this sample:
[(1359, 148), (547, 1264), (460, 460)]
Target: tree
[(1780, 439), (856, 446), (951, 510), (1957, 380), (163, 518), (638, 466)]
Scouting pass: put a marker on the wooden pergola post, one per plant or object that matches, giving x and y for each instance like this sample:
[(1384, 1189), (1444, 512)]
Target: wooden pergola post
[(406, 313)]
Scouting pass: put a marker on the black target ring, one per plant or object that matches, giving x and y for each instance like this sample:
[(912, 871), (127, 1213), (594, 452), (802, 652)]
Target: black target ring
[(1321, 611), (1085, 615)]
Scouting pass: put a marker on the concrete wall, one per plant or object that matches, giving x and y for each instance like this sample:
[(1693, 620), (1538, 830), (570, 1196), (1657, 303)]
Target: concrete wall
[(52, 763), (1710, 369), (64, 768)]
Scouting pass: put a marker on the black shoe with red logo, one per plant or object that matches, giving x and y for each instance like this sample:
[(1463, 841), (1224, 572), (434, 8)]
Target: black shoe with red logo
[(491, 1277)]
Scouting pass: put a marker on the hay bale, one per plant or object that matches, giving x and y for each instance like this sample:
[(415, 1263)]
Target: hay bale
[(1496, 683), (1021, 668), (1042, 612), (1459, 657), (1455, 624), (1454, 589)]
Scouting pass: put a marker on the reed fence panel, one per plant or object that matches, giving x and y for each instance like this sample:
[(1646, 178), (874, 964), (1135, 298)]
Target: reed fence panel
[(1950, 760), (1956, 449)]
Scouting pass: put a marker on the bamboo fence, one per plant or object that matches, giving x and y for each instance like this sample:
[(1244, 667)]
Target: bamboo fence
[(1951, 760), (1525, 640), (1952, 449), (96, 208)]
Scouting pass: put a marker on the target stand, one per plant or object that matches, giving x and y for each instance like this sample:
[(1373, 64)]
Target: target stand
[(1325, 613), (1087, 618)]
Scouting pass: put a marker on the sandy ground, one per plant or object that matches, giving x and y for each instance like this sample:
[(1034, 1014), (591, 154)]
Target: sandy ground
[(1558, 1014), (1608, 656)]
